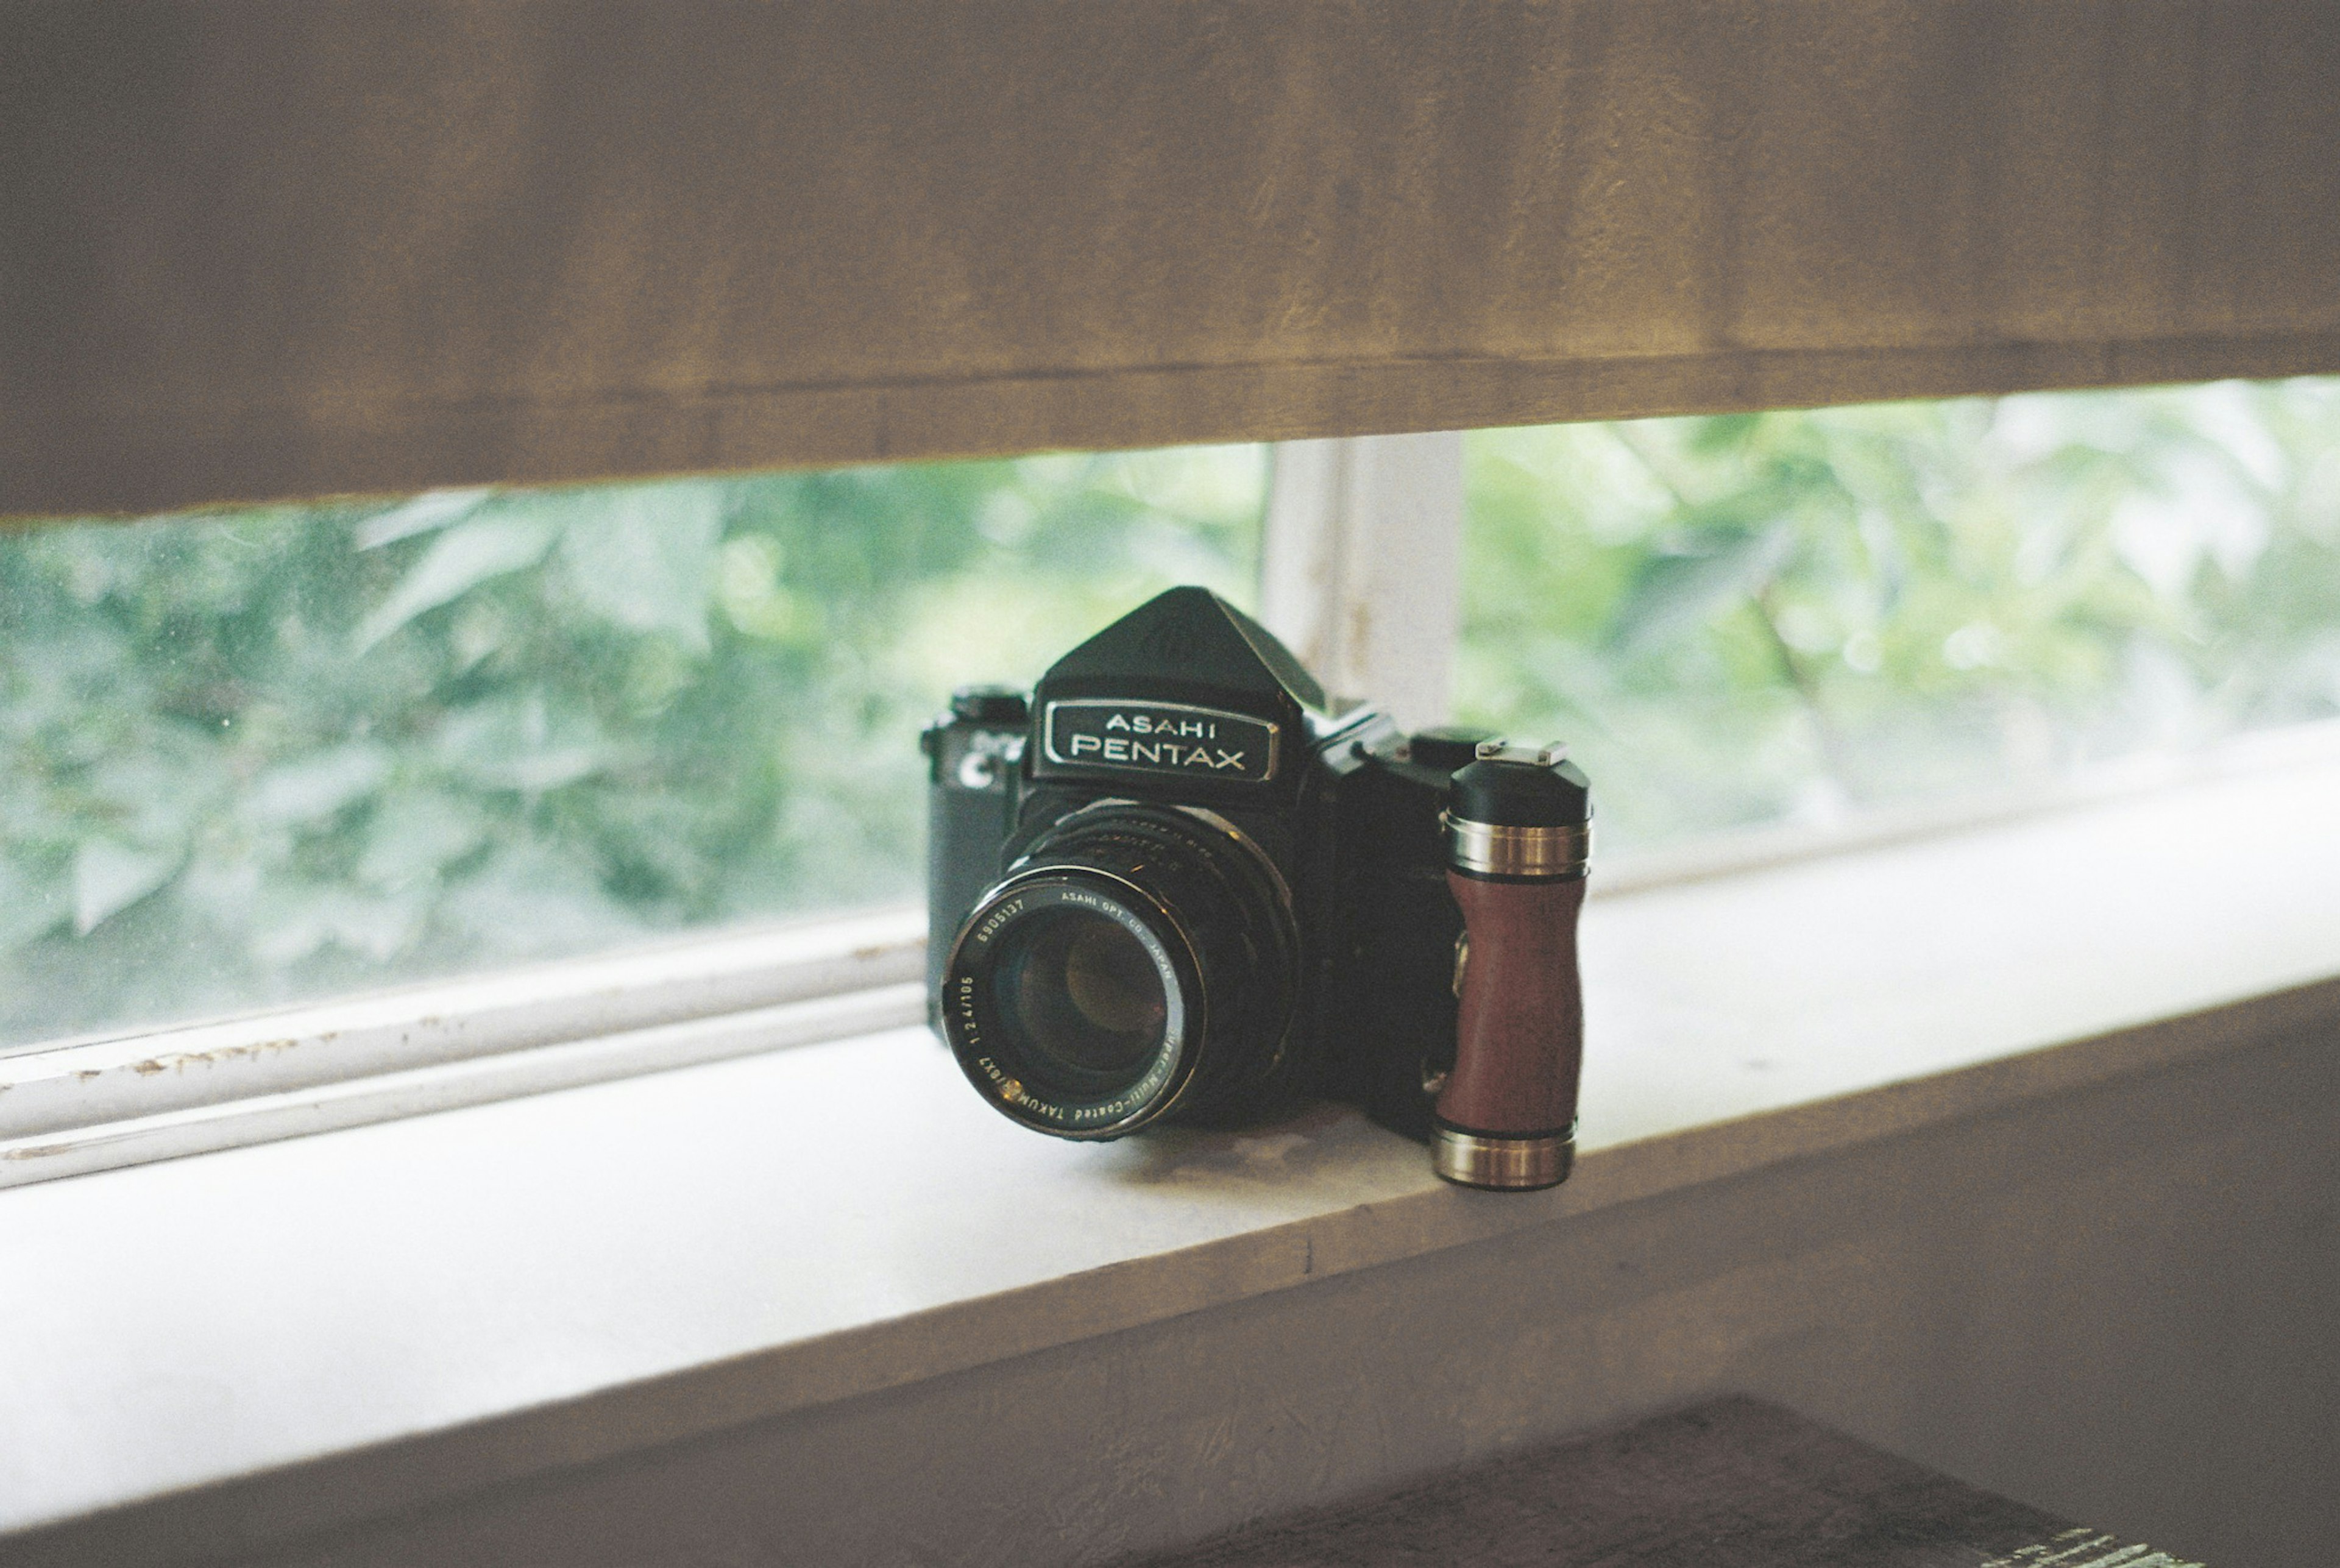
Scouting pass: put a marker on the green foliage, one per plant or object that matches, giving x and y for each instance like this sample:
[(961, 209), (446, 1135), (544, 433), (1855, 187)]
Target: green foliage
[(1742, 619), (251, 756)]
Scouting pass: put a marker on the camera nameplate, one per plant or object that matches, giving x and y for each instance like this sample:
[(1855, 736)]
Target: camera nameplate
[(1175, 738)]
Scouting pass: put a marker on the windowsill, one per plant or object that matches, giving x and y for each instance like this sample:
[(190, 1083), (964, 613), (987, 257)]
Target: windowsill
[(379, 1317)]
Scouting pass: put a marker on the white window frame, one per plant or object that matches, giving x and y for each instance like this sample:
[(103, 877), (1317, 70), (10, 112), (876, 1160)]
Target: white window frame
[(98, 1103), (1361, 566), (1359, 556), (1360, 573)]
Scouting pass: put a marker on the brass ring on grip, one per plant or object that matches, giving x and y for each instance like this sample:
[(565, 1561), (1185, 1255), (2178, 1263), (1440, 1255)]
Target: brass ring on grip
[(1496, 850)]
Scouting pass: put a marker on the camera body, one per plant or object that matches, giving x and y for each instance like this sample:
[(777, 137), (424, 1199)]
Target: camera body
[(1180, 885)]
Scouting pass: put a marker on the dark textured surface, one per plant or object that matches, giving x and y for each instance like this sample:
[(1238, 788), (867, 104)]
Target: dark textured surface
[(1736, 1484), (275, 247)]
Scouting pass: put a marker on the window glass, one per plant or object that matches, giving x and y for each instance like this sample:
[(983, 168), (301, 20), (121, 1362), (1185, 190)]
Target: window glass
[(1796, 615), (251, 756)]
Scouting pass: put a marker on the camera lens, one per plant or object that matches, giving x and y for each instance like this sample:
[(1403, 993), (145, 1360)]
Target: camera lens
[(1137, 960), (1085, 992)]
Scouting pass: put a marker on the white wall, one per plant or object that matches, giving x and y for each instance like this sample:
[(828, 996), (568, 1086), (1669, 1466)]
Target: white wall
[(2121, 1304)]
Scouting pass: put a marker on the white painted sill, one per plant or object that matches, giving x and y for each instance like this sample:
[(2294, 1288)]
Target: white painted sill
[(108, 1101), (301, 1333)]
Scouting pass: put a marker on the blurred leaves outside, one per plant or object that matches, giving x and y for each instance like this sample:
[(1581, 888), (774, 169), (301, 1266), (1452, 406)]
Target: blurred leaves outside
[(1800, 616), (251, 756)]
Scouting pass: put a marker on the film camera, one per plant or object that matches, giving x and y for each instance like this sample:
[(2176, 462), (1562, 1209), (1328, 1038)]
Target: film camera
[(1176, 884)]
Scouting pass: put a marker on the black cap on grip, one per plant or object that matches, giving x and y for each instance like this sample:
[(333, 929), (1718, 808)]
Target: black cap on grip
[(1515, 789), (1449, 746)]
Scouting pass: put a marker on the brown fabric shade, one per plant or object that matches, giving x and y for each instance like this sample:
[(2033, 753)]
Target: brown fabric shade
[(253, 249)]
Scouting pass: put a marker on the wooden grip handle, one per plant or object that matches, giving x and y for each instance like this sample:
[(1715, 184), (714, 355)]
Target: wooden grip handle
[(1520, 1034)]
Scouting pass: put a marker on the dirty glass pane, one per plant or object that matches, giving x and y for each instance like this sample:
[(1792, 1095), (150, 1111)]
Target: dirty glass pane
[(1804, 615), (252, 756)]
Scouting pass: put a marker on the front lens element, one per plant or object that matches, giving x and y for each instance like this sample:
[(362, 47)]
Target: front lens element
[(1087, 993), (1069, 1001), (1139, 958)]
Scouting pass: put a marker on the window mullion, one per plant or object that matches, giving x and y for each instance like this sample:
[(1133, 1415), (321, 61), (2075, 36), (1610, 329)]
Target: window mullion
[(1360, 565)]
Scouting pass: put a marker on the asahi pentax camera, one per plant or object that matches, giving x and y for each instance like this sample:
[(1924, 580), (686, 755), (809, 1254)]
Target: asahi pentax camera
[(1178, 885)]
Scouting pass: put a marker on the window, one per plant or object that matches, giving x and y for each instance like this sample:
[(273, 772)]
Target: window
[(259, 756), (265, 756), (1808, 617)]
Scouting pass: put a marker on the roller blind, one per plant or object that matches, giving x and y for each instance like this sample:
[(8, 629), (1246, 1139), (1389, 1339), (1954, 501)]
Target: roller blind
[(257, 249)]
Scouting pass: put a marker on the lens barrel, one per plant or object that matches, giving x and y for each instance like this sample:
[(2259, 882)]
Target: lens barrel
[(1136, 960)]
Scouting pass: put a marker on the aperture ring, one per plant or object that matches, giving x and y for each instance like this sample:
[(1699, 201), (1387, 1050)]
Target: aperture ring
[(1498, 849)]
